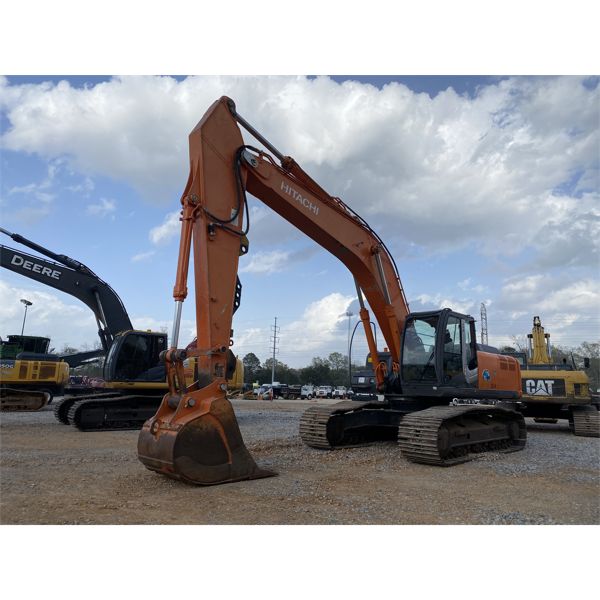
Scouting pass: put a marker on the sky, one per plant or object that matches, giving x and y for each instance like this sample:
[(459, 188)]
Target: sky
[(485, 190), (480, 185)]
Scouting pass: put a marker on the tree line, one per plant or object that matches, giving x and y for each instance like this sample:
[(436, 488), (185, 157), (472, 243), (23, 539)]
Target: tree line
[(332, 370)]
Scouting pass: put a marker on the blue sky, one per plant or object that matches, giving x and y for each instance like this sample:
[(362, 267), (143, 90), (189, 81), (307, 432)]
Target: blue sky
[(485, 189)]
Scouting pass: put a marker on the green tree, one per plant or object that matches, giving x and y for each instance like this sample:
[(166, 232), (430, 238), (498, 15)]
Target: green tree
[(251, 366), (318, 373), (339, 368), (559, 354), (337, 361)]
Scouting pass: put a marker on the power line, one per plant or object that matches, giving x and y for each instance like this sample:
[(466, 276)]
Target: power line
[(275, 340), (484, 327)]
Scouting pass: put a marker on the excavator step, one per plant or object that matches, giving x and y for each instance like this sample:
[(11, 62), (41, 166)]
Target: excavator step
[(449, 435)]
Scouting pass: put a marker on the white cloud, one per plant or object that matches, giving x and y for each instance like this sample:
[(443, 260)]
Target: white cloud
[(84, 187), (321, 326), (468, 286), (142, 256), (438, 172), (31, 214), (318, 328), (321, 329), (265, 263), (568, 308), (579, 296), (433, 302), (104, 208), (169, 228), (63, 323), (33, 200), (275, 261), (509, 172)]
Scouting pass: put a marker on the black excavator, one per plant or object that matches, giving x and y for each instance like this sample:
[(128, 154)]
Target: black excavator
[(135, 379)]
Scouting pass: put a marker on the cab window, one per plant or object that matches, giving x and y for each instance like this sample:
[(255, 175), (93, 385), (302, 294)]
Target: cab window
[(453, 366), (418, 352)]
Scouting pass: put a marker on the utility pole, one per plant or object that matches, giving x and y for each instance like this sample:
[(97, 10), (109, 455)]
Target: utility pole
[(349, 314), (484, 327), (275, 340)]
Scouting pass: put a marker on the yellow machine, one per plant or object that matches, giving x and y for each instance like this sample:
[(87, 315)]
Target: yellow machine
[(234, 385), (29, 375), (553, 391)]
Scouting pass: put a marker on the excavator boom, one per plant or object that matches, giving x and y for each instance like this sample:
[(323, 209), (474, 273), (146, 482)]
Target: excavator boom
[(71, 277)]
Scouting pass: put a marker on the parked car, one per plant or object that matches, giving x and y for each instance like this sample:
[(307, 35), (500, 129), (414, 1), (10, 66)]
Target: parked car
[(307, 391), (324, 391), (339, 392), (293, 392), (261, 389), (280, 390)]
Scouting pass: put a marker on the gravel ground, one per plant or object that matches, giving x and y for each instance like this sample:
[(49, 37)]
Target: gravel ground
[(51, 473)]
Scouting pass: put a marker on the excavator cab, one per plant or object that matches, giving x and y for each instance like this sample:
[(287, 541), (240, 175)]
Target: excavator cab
[(134, 357), (438, 350), (441, 358), (15, 344)]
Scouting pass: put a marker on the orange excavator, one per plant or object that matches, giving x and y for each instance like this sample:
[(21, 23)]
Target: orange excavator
[(443, 394)]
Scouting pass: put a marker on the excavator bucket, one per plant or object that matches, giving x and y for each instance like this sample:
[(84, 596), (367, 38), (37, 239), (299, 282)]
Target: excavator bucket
[(199, 442)]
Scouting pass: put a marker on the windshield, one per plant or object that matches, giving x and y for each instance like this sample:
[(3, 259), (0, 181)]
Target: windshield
[(138, 357), (418, 352)]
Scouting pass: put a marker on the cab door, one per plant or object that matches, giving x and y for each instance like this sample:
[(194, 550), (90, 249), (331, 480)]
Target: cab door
[(459, 362)]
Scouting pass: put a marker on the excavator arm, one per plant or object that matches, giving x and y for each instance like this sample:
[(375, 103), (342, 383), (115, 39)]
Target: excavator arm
[(222, 170), (74, 278), (194, 436)]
